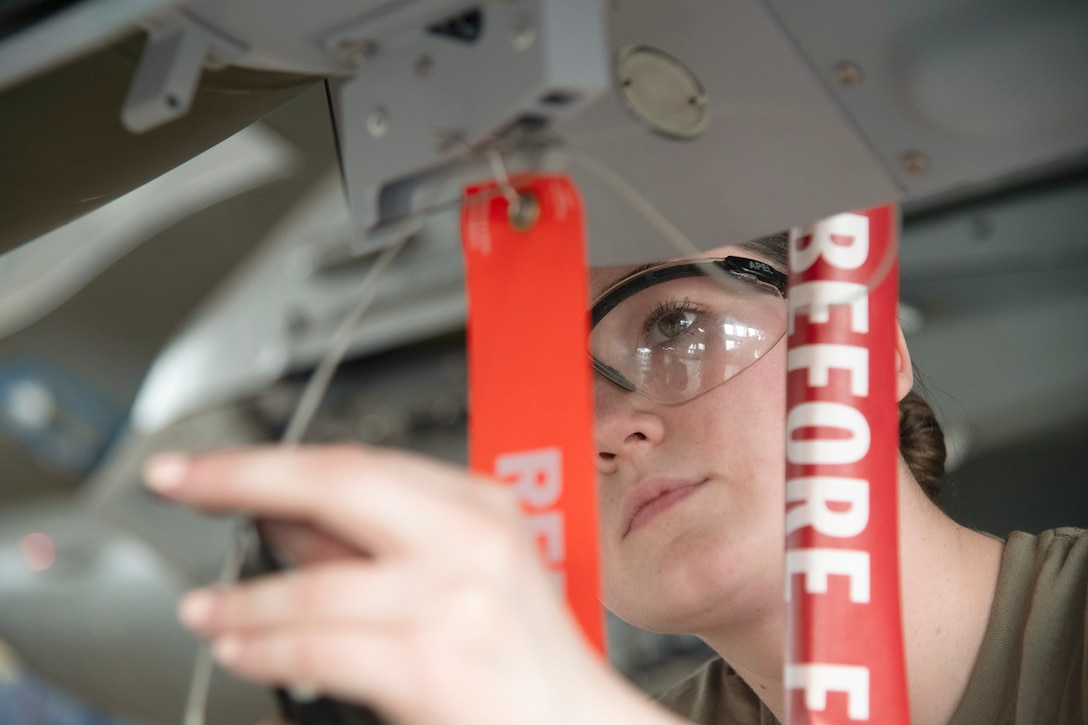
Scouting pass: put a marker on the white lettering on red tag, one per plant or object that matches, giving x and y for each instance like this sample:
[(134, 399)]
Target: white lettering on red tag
[(830, 433), (818, 680), (816, 566), (848, 444), (844, 245), (820, 360), (815, 494), (537, 478), (815, 299)]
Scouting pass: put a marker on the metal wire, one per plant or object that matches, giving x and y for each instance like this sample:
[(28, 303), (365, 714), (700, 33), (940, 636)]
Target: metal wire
[(196, 701), (196, 704), (643, 206), (246, 534), (341, 339)]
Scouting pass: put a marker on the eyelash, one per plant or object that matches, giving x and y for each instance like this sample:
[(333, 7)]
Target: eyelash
[(669, 307)]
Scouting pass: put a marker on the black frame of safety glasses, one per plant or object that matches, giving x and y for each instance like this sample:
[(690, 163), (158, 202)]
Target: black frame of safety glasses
[(739, 266)]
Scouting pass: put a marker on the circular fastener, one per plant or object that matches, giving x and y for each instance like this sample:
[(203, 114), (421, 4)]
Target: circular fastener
[(848, 74), (355, 50), (377, 123), (524, 34), (525, 213), (915, 163), (662, 92)]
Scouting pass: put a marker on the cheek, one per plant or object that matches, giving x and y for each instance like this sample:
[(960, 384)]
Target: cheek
[(746, 418), (736, 431)]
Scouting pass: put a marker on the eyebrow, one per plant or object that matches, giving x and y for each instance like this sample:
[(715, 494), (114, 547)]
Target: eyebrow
[(631, 273)]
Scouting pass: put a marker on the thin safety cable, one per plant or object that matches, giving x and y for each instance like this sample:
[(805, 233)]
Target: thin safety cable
[(643, 206), (319, 381), (196, 705)]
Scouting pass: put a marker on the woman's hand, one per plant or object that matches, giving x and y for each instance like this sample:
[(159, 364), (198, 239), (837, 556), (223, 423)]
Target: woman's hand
[(418, 591)]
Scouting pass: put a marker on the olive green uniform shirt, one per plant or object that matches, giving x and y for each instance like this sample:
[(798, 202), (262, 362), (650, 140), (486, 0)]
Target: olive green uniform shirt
[(1032, 666)]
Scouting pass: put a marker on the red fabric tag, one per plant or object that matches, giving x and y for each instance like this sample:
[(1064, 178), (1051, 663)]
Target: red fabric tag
[(845, 659), (530, 385)]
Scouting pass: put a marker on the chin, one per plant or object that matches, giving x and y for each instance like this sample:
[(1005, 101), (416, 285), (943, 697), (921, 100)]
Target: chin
[(698, 585), (670, 612)]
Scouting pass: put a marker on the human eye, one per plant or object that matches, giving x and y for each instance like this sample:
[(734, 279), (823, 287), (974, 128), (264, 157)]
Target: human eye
[(670, 320)]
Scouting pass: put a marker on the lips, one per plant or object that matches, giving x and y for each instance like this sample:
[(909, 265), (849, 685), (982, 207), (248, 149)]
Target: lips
[(651, 496)]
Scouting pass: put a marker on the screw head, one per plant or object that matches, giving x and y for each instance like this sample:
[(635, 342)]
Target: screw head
[(915, 163), (377, 123), (524, 35), (848, 74), (355, 50)]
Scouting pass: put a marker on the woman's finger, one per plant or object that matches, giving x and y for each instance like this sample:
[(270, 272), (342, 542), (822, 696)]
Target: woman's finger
[(332, 593), (411, 678), (377, 500), (371, 669)]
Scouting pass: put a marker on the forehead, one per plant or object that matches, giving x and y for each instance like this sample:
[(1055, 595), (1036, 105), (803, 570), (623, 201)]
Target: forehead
[(601, 278)]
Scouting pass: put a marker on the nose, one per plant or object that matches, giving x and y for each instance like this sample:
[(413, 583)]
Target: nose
[(626, 424)]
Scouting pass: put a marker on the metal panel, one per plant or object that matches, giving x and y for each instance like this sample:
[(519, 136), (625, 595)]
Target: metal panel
[(777, 151), (953, 94)]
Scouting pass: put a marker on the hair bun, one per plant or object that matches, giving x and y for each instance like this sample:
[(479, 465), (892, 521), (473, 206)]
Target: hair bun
[(921, 441)]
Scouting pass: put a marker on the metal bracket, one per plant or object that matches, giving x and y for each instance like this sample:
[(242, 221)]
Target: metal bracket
[(178, 48), (435, 95)]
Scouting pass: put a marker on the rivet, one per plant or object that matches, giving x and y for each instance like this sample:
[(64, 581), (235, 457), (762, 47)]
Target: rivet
[(524, 35), (377, 123), (355, 50), (848, 74), (916, 163)]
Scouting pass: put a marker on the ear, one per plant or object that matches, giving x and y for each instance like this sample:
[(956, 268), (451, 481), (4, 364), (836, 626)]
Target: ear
[(904, 372)]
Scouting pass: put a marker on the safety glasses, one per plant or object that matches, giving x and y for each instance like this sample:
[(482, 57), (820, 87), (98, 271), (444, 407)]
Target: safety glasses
[(676, 331)]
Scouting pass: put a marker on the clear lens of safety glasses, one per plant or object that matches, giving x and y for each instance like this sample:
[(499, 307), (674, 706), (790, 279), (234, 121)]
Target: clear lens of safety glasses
[(674, 332)]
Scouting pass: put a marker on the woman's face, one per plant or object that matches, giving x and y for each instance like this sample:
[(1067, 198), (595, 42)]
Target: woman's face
[(691, 495)]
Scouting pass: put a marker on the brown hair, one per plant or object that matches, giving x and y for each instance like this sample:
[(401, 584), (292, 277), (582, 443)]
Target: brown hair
[(921, 440)]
